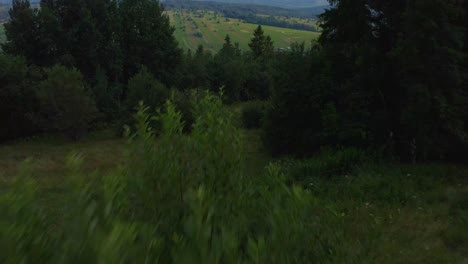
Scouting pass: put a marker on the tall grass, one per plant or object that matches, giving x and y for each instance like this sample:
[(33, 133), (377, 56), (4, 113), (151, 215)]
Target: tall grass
[(187, 198), (178, 199)]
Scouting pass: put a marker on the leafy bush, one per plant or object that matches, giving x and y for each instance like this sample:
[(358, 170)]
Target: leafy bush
[(178, 199), (252, 115), (144, 87), (183, 101), (327, 163), (64, 103)]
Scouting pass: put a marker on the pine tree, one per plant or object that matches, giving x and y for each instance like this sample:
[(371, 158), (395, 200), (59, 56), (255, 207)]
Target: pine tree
[(21, 30), (261, 45), (148, 40)]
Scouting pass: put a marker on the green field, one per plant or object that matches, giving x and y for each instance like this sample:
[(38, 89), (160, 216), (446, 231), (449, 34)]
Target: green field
[(208, 29)]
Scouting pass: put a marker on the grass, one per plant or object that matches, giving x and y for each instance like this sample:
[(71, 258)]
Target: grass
[(208, 29), (402, 214), (389, 213), (100, 150)]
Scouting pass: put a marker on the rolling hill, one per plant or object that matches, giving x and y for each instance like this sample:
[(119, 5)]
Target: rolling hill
[(209, 29)]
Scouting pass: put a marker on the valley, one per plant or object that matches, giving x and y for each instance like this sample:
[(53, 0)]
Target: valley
[(209, 29)]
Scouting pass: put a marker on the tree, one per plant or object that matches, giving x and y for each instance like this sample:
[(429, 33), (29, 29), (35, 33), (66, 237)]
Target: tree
[(260, 45), (144, 87), (21, 31), (148, 40), (228, 70), (396, 74), (429, 55), (229, 50), (17, 100), (293, 124), (65, 105)]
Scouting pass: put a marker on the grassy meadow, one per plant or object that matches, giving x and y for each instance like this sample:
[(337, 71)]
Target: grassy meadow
[(208, 29), (387, 213)]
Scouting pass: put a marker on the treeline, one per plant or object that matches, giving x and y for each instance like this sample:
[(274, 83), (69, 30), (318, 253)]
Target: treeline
[(249, 13), (68, 63), (72, 66), (392, 79)]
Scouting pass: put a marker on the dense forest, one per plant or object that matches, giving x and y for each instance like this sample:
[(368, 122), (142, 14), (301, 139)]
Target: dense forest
[(389, 86)]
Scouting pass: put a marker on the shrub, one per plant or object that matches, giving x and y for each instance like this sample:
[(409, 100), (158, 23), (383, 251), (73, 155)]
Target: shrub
[(107, 95), (326, 164), (183, 101), (178, 199), (258, 82), (252, 115), (144, 87), (64, 103)]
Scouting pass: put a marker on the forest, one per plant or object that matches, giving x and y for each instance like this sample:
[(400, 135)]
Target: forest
[(119, 146)]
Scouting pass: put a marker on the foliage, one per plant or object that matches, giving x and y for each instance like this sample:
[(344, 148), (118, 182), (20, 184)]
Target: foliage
[(387, 72), (293, 122), (184, 102), (147, 39), (260, 45), (65, 104), (107, 95), (391, 80), (326, 163), (252, 115), (17, 98), (174, 201), (144, 87), (93, 36)]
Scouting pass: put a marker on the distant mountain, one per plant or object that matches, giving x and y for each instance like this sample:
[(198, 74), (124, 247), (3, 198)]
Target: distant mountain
[(280, 3)]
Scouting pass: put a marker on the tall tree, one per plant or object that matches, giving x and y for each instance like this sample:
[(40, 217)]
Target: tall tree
[(147, 39), (429, 56), (261, 45), (17, 100), (21, 30), (228, 70), (347, 46)]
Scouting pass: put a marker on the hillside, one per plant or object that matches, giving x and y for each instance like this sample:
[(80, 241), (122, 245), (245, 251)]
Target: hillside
[(208, 29)]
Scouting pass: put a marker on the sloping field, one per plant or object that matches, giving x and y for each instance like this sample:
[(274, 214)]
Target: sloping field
[(209, 29)]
